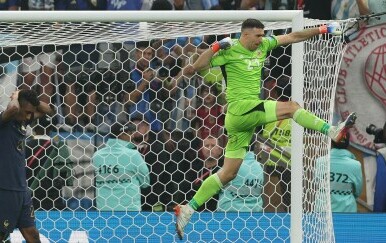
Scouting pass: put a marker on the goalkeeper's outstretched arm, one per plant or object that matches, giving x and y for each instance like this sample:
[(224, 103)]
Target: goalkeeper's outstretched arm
[(298, 36)]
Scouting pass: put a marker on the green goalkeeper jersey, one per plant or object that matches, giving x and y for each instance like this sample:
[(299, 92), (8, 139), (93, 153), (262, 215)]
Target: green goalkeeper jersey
[(242, 68)]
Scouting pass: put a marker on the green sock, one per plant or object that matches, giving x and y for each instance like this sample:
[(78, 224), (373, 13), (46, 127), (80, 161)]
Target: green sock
[(308, 120), (210, 187)]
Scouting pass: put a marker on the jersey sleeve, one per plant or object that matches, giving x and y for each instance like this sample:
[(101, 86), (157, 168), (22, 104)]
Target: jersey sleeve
[(219, 59), (269, 43)]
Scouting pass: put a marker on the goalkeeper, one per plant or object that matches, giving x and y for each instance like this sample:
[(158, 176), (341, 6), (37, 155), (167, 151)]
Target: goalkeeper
[(242, 61)]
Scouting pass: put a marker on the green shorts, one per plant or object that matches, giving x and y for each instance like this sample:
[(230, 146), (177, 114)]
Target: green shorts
[(241, 120)]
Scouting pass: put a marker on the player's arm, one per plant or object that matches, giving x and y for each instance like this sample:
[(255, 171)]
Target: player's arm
[(298, 36)]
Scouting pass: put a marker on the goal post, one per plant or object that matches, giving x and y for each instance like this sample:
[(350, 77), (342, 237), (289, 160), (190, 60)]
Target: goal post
[(314, 68), (149, 16)]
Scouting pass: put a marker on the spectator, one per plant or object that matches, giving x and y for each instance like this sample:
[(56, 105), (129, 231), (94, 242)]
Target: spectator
[(202, 4), (172, 4), (172, 55), (80, 193), (124, 5), (77, 59), (344, 9), (80, 5), (373, 6), (40, 69), (117, 56), (345, 176), (8, 80), (120, 168), (244, 193), (276, 144), (38, 148), (102, 98), (180, 4), (39, 5), (143, 87), (51, 171), (80, 99), (9, 5), (169, 159), (210, 115), (48, 168), (161, 5), (211, 160), (257, 4)]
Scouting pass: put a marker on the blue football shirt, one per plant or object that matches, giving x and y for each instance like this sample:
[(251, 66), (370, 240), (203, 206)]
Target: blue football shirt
[(12, 155)]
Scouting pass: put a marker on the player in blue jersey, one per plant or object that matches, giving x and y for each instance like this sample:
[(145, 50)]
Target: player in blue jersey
[(16, 210)]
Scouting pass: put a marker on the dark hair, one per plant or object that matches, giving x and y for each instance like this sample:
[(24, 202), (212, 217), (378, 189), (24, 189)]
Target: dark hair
[(211, 89), (343, 143), (142, 44), (118, 128), (252, 23), (130, 127), (30, 96), (161, 5), (137, 117)]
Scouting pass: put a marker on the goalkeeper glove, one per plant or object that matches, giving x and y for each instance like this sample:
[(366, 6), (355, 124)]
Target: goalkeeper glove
[(222, 44), (331, 28)]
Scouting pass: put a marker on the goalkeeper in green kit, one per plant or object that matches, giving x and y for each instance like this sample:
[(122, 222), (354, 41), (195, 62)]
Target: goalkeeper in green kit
[(242, 62)]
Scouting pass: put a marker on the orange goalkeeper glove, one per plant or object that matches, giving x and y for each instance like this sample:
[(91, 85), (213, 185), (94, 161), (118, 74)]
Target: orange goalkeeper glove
[(331, 28), (222, 44)]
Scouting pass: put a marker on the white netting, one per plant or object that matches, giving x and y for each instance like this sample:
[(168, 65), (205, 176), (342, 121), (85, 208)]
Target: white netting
[(91, 72), (17, 33)]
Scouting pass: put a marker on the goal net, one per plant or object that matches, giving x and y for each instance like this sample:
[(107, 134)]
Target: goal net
[(113, 72)]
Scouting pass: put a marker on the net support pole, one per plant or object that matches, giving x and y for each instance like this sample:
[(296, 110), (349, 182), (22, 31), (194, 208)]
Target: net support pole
[(297, 136)]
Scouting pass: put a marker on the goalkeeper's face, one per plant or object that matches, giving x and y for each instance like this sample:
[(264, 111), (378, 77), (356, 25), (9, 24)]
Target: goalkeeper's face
[(253, 38)]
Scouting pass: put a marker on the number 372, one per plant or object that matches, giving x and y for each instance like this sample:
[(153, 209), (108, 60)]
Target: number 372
[(338, 177)]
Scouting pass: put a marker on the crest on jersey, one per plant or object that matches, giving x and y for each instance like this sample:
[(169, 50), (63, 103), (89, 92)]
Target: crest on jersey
[(259, 53)]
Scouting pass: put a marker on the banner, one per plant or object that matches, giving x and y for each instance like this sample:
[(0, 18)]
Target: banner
[(362, 83)]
